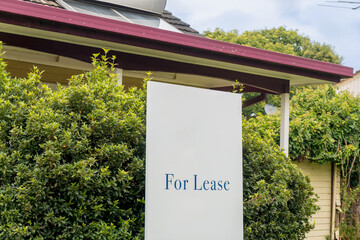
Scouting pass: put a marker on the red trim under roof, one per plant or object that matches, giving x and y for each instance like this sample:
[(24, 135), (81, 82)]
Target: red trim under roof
[(167, 38)]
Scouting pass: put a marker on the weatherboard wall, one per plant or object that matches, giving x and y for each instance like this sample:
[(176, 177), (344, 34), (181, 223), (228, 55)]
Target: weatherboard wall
[(320, 175)]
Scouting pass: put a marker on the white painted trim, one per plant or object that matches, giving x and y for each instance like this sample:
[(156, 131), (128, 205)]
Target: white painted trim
[(284, 125), (119, 73)]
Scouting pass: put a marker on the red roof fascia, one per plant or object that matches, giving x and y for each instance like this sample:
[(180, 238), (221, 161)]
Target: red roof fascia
[(182, 40)]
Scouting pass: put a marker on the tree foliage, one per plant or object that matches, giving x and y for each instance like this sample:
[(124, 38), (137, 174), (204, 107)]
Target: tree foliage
[(279, 40), (71, 164)]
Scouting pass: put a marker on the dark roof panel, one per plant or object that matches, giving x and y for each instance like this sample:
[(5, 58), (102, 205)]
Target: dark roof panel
[(176, 22), (166, 16)]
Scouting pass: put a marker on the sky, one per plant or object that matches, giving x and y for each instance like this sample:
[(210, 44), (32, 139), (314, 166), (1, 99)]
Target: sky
[(339, 27)]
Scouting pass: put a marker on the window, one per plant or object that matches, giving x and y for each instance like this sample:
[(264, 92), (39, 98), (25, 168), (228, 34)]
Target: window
[(117, 13)]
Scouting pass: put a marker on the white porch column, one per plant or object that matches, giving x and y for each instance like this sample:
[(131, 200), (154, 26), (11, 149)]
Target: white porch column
[(284, 125), (119, 72)]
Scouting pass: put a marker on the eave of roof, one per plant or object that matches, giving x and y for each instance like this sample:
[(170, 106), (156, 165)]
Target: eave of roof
[(57, 20)]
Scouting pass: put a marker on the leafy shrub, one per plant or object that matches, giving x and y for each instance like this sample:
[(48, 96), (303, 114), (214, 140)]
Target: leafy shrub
[(278, 198), (72, 160), (71, 164)]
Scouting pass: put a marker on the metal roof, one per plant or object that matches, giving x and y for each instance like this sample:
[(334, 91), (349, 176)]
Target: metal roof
[(58, 31)]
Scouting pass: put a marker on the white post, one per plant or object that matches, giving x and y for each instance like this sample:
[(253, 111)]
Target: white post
[(284, 125), (119, 72)]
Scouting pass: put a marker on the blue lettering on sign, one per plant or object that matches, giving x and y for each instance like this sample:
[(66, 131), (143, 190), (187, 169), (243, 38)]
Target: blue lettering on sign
[(195, 181), (200, 184), (168, 180)]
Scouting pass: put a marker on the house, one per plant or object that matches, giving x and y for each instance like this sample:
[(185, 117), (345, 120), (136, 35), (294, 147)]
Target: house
[(351, 84), (59, 36)]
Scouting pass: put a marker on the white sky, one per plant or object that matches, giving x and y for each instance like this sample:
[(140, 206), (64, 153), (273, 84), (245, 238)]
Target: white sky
[(338, 27)]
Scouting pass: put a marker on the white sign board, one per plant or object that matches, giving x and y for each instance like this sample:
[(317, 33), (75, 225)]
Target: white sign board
[(193, 164)]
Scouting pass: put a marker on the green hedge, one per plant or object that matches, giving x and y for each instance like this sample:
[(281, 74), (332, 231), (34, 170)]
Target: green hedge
[(278, 198), (72, 164), (72, 160)]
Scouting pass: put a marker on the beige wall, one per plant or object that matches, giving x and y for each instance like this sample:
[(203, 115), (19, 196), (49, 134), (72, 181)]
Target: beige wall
[(352, 84), (320, 176)]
